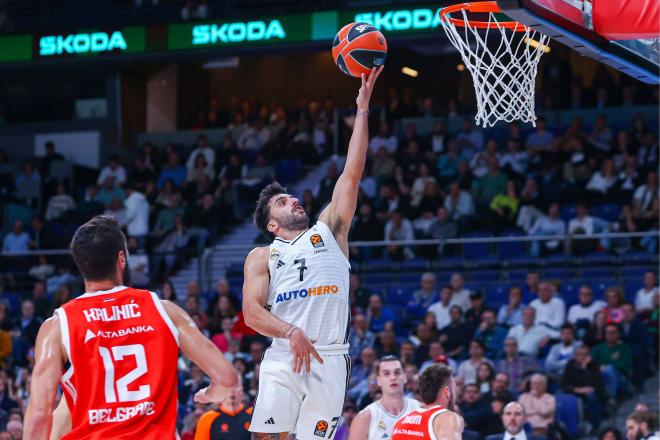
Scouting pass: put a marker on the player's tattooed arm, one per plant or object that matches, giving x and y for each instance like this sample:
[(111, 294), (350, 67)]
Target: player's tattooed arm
[(339, 213)]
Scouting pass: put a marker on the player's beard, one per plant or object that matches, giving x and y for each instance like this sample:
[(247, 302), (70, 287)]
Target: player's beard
[(294, 222), (126, 276)]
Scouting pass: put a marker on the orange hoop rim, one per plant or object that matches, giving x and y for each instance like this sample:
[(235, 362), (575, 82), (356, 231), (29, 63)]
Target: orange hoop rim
[(489, 6)]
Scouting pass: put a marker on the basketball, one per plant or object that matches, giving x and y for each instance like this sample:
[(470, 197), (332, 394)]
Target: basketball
[(359, 47)]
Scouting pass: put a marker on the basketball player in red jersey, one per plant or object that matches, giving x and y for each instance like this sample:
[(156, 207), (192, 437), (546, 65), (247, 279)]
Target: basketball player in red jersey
[(436, 420), (121, 346)]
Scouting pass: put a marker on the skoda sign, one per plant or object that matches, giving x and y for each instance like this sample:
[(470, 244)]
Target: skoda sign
[(82, 43), (237, 32), (402, 19)]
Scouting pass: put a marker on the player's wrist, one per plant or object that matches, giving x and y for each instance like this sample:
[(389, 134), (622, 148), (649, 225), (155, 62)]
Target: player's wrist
[(289, 332)]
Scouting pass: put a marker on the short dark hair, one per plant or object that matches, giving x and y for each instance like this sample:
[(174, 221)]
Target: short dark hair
[(388, 358), (95, 246), (431, 380), (262, 211), (567, 326)]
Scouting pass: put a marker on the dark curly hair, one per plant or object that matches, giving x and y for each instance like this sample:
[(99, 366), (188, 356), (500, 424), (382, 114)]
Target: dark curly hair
[(262, 211)]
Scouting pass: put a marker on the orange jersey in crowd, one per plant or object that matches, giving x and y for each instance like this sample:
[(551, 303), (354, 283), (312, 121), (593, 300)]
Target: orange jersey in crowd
[(122, 380), (417, 424)]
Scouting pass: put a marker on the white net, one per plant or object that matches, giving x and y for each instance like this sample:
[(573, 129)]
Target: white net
[(503, 63)]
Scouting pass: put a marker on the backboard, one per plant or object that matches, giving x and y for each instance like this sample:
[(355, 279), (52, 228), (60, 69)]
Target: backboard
[(622, 34)]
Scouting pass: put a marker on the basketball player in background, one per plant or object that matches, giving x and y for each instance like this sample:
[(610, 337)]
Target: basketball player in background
[(436, 419), (122, 346), (297, 292), (376, 421)]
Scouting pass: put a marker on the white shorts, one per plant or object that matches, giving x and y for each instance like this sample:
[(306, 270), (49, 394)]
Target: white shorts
[(309, 404)]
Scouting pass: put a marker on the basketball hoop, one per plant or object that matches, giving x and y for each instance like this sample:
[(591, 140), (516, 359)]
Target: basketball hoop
[(502, 55)]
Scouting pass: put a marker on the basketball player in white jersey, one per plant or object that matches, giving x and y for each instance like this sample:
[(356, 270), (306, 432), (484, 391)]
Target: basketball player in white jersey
[(376, 421), (297, 291)]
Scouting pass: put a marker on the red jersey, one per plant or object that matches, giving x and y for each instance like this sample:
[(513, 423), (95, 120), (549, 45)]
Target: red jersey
[(417, 424), (122, 380)]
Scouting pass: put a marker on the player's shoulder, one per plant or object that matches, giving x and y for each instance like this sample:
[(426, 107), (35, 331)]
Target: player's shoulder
[(258, 256)]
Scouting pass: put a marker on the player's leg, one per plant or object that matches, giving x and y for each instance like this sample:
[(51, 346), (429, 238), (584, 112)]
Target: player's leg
[(325, 392), (279, 398)]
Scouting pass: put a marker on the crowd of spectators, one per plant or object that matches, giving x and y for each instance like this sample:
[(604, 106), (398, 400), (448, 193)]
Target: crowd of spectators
[(534, 349), (178, 199)]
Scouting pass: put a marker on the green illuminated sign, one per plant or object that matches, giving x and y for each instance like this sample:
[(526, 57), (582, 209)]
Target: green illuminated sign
[(16, 48), (402, 20), (284, 29), (126, 40)]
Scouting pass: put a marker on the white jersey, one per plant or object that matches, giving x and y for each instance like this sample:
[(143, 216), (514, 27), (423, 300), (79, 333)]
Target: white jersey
[(382, 422), (309, 287)]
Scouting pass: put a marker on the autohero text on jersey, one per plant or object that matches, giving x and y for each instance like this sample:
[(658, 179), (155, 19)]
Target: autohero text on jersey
[(307, 293)]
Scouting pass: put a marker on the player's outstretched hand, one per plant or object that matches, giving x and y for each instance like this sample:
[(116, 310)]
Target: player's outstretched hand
[(364, 95), (302, 350), (213, 393)]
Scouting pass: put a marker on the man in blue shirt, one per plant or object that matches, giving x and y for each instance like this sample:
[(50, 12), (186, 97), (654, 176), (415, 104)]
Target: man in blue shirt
[(378, 315), (17, 240)]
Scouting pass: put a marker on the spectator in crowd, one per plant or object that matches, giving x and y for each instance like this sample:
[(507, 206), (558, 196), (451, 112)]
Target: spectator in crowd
[(441, 308), (469, 367), (459, 204), (469, 139), (477, 308), (634, 333), (602, 182), (491, 335), (17, 240), (642, 425), (550, 310), (615, 360), (60, 204), (137, 213), (477, 413), (114, 170), (540, 140), (645, 194), (399, 228), (442, 228), (582, 378), (529, 335), (500, 392), (531, 287), (510, 314), (514, 162), (327, 185), (485, 377), (489, 185), (425, 296), (439, 138), (456, 336), (384, 139), (644, 296), (203, 147), (359, 337), (379, 315), (437, 355), (547, 225), (359, 293), (515, 366), (140, 175), (51, 156), (173, 171), (363, 368), (170, 247), (560, 354), (582, 314), (514, 420), (614, 298), (461, 296), (540, 406)]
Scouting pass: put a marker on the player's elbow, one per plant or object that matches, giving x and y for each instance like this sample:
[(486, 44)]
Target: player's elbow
[(250, 316)]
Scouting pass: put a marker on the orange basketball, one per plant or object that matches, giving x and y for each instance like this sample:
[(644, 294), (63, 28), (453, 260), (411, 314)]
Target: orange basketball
[(359, 47)]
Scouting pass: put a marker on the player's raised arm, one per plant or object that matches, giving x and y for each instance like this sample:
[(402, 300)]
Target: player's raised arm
[(339, 213), (199, 349), (255, 296), (49, 362)]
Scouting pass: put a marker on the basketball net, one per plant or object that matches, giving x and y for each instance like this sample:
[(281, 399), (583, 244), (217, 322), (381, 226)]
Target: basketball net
[(502, 57)]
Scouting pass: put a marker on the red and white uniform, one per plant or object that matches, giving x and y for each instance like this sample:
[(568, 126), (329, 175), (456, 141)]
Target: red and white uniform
[(122, 380), (417, 424)]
